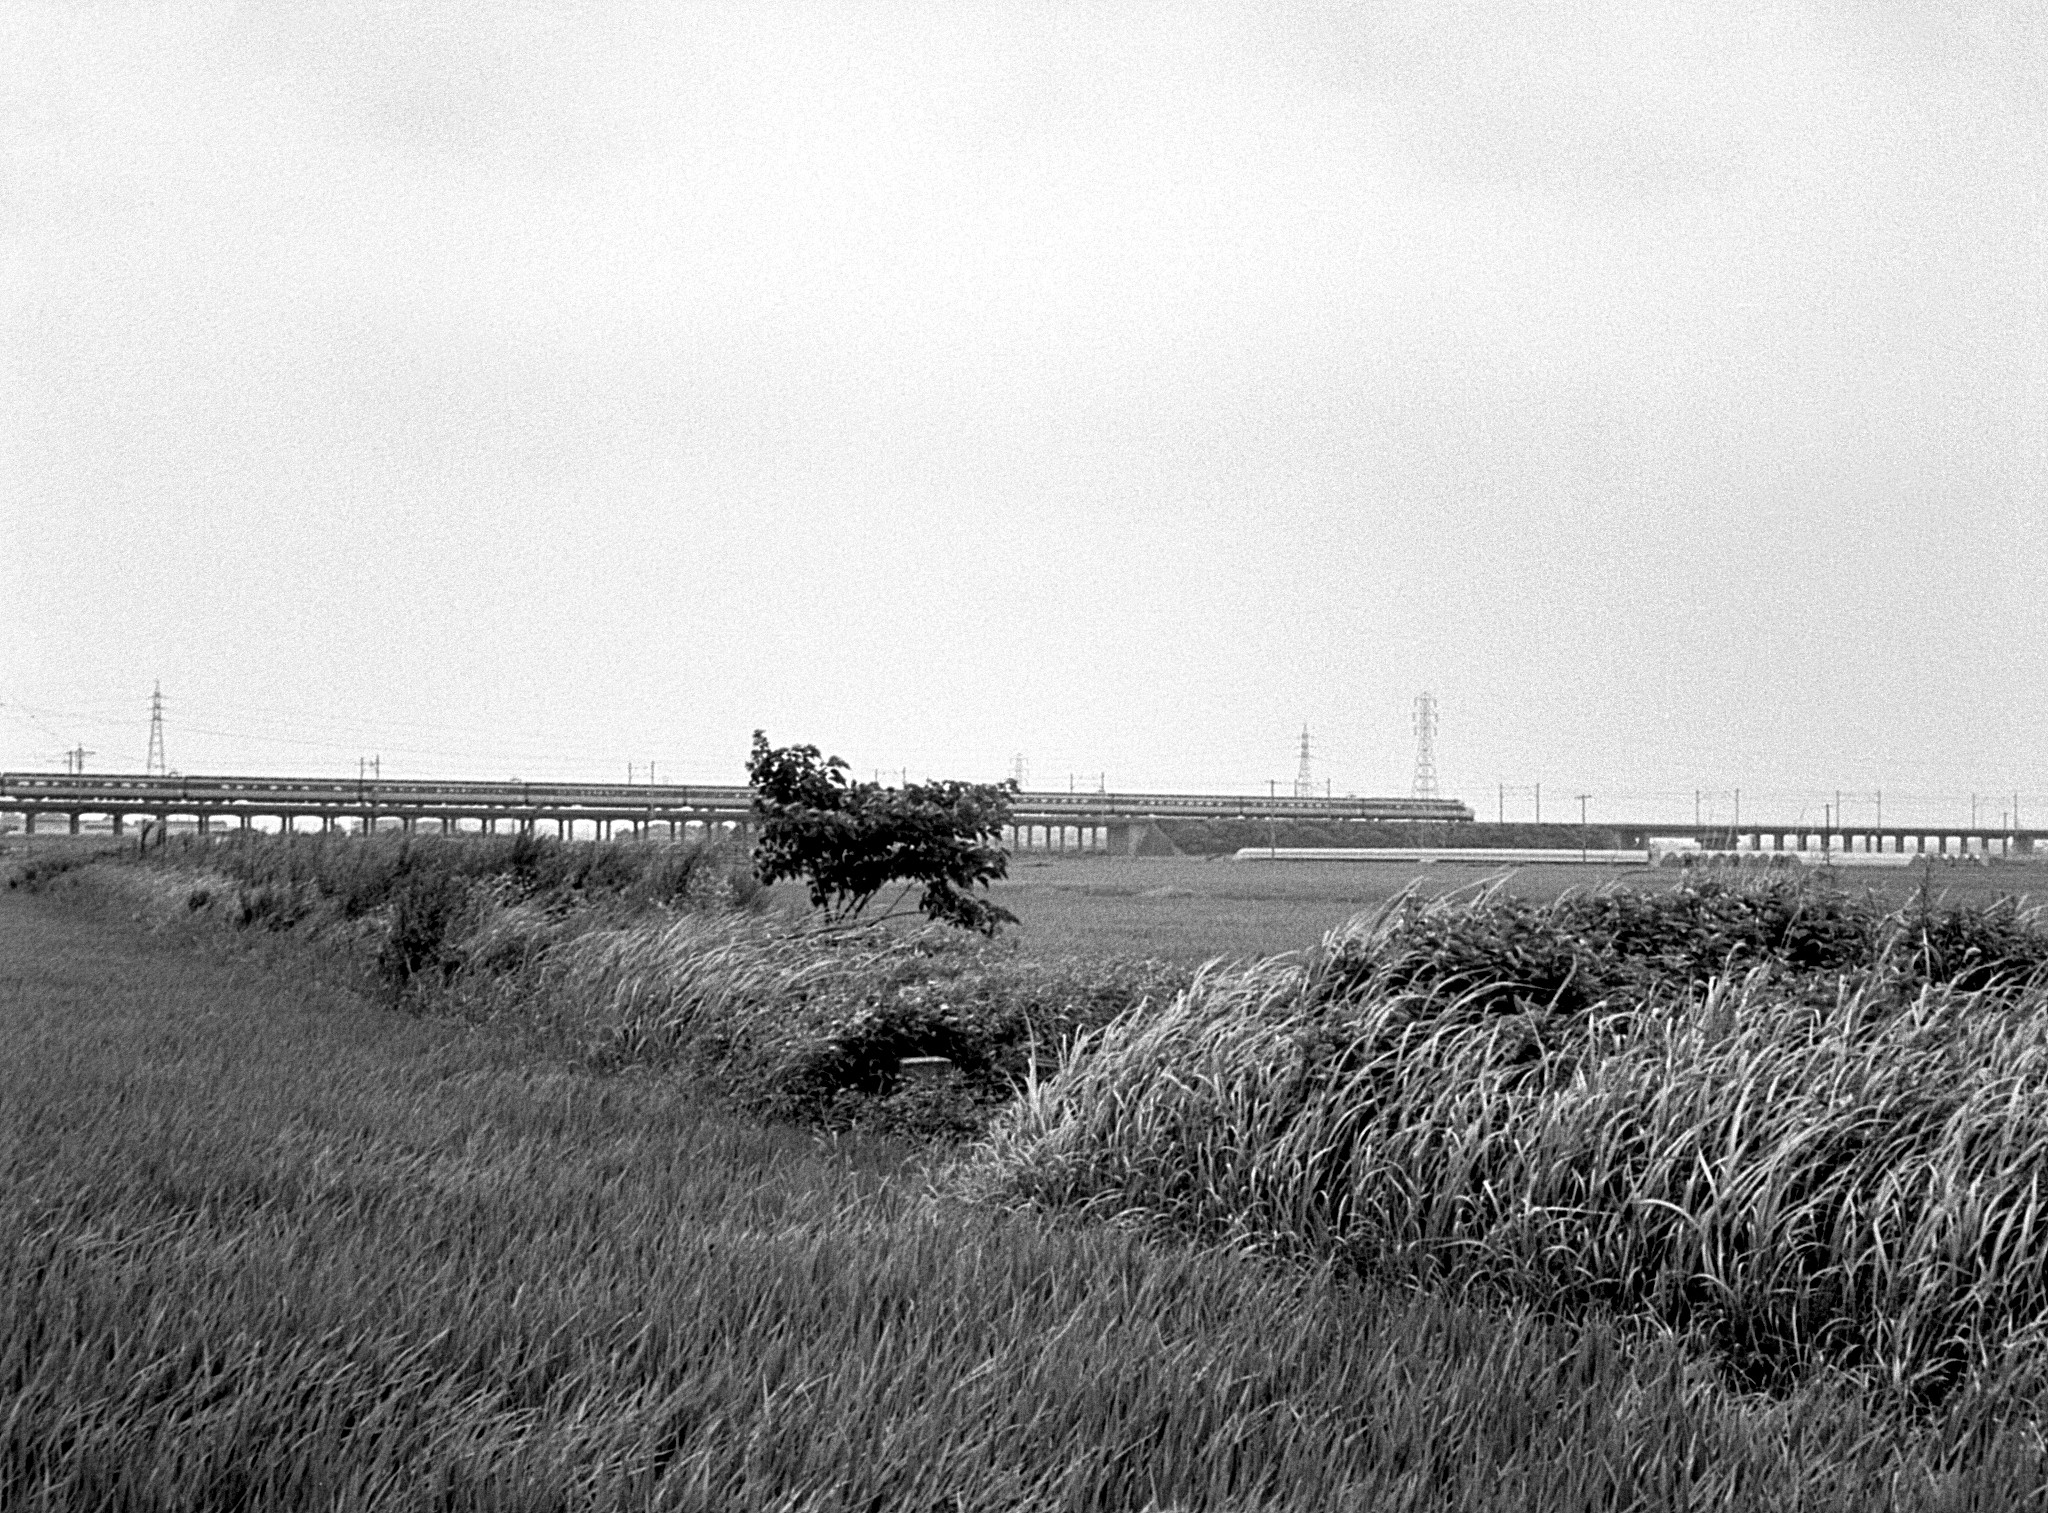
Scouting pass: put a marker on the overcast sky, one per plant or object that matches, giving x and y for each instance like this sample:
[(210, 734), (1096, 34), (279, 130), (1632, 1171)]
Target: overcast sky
[(531, 390)]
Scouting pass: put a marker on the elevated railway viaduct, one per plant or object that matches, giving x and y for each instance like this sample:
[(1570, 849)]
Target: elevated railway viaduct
[(1112, 822), (1104, 822)]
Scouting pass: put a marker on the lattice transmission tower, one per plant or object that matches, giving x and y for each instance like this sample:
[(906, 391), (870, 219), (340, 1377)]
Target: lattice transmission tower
[(155, 765), (1304, 775), (1425, 746)]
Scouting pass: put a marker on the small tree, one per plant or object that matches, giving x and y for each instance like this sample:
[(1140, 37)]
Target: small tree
[(849, 840)]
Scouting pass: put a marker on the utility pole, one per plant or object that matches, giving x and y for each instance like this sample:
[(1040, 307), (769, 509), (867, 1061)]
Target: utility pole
[(74, 760), (1500, 804), (1695, 809), (1539, 803), (1738, 809), (1582, 825)]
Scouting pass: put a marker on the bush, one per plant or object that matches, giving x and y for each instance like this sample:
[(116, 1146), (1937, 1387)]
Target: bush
[(1974, 947), (848, 840), (809, 1025), (37, 873), (424, 911), (1584, 949), (271, 905)]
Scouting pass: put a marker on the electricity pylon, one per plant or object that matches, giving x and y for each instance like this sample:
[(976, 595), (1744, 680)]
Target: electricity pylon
[(154, 765), (1425, 746)]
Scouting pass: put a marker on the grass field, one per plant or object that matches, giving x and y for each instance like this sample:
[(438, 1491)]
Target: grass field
[(274, 1247), (281, 1245), (1188, 909)]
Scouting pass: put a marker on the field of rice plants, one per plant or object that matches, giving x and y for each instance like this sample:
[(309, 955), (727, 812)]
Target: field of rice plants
[(1191, 909), (505, 1174)]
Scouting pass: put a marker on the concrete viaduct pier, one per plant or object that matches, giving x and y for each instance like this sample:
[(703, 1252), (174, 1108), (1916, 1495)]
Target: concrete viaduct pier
[(1892, 840)]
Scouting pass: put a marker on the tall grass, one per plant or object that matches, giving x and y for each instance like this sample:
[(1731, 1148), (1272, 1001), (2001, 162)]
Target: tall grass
[(813, 1023), (646, 956), (357, 875), (1825, 1157), (272, 1247), (1800, 1130)]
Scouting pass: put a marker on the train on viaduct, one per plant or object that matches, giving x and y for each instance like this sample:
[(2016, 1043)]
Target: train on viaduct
[(1039, 821), (1115, 823)]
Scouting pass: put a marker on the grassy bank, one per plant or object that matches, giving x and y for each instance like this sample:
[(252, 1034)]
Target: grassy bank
[(277, 1247), (651, 956), (1715, 1193), (1805, 1133)]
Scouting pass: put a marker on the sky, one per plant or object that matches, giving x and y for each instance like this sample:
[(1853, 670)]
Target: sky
[(550, 390)]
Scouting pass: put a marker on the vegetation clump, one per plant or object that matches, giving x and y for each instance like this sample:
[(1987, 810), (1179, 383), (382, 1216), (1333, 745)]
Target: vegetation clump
[(663, 956), (813, 1024), (848, 840), (1806, 1133)]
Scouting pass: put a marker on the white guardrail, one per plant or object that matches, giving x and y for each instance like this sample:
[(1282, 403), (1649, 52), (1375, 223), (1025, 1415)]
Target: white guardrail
[(1517, 856), (1489, 856)]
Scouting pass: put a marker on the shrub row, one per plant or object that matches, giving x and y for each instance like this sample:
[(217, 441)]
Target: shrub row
[(1627, 943), (359, 875), (663, 956)]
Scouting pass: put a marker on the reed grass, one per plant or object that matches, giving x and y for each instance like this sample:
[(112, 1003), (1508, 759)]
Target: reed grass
[(1804, 1162)]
